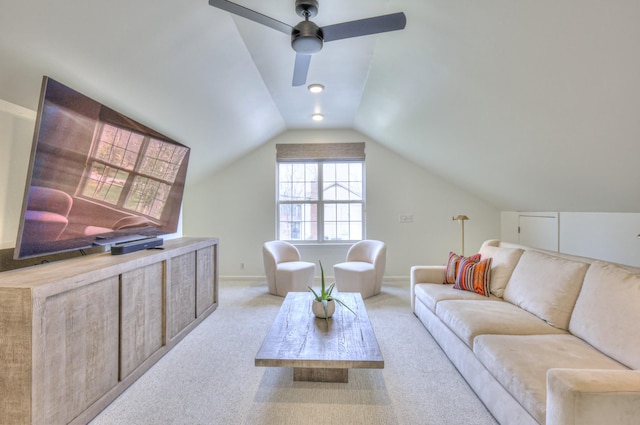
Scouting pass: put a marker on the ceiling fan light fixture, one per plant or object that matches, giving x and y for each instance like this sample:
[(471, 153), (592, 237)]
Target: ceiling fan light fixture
[(317, 117), (315, 88), (306, 38)]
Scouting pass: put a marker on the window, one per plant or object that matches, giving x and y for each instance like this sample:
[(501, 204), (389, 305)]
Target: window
[(131, 170), (320, 194)]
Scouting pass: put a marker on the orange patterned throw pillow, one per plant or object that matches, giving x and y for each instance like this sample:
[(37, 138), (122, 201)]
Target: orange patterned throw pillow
[(474, 276), (451, 271)]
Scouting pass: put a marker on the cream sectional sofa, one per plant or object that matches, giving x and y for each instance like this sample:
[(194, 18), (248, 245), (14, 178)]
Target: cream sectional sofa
[(557, 342)]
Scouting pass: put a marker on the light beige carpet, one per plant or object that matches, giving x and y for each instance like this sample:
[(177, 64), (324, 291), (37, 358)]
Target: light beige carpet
[(210, 377)]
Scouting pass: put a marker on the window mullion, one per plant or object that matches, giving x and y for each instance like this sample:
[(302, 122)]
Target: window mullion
[(320, 208)]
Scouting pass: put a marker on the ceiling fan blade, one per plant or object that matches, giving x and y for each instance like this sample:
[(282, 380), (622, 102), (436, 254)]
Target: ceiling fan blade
[(367, 26), (301, 69), (252, 15)]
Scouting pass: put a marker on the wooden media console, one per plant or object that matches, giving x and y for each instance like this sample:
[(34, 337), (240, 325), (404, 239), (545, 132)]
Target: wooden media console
[(75, 334)]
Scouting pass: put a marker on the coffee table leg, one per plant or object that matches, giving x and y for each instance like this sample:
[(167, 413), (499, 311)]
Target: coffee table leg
[(320, 374)]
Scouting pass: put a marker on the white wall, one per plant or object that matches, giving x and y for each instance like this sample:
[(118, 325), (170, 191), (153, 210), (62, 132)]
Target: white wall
[(237, 204), (605, 236), (16, 135)]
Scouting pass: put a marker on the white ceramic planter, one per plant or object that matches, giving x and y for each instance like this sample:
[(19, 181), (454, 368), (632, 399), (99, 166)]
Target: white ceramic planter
[(318, 309)]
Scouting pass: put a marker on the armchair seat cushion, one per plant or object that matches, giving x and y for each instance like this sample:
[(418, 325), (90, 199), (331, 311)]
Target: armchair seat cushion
[(294, 276), (354, 277), (356, 266), (285, 270), (363, 269)]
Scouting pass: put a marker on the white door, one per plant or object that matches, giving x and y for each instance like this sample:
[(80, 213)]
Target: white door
[(538, 230)]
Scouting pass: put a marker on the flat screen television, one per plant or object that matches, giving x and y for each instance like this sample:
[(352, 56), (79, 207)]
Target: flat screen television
[(96, 177)]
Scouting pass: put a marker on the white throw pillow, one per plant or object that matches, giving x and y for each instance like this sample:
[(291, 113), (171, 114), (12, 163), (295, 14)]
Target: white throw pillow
[(504, 260)]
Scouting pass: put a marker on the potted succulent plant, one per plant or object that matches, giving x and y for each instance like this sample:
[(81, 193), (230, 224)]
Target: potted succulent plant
[(324, 302)]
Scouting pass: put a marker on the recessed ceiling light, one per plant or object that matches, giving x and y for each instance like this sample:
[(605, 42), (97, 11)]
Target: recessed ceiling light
[(317, 117), (315, 88)]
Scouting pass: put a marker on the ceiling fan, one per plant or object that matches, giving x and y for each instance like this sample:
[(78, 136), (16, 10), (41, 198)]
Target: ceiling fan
[(307, 38)]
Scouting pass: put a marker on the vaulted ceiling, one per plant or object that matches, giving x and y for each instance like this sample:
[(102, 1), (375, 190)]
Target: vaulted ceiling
[(532, 105)]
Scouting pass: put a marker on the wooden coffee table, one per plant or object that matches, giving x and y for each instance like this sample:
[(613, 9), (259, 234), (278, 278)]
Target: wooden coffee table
[(317, 350)]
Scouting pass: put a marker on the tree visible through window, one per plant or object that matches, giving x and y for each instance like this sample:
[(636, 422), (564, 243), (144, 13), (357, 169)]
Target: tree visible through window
[(321, 200), (131, 170)]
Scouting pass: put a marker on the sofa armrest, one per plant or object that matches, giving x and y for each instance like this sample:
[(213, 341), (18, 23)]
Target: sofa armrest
[(590, 397), (425, 274)]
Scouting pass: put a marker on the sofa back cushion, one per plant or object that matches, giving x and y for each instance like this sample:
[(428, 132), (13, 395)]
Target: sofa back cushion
[(607, 312), (547, 286), (503, 261)]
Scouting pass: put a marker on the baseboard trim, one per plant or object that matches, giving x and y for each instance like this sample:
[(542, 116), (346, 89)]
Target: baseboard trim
[(254, 278)]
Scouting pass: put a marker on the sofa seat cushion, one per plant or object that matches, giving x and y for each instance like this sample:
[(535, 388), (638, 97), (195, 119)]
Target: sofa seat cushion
[(520, 363), (546, 286), (430, 294), (607, 312), (470, 318)]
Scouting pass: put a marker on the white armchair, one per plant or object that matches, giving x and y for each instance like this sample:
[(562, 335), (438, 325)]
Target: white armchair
[(363, 270), (284, 269)]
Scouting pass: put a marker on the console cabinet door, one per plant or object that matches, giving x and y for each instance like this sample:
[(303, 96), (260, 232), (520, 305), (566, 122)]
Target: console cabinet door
[(206, 294), (141, 315), (80, 350), (181, 293)]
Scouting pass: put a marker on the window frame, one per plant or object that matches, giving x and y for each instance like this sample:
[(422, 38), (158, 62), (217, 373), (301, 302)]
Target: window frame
[(321, 202)]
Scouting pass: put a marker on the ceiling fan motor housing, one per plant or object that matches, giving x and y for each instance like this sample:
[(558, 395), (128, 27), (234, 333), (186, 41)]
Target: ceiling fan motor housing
[(307, 38), (307, 8)]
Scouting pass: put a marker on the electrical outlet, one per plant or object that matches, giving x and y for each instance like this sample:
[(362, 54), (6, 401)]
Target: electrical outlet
[(406, 218)]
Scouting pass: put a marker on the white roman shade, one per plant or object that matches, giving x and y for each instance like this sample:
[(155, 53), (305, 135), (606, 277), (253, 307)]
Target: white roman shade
[(320, 152)]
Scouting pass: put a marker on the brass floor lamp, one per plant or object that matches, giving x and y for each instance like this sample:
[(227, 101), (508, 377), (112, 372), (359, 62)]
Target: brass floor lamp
[(461, 219)]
